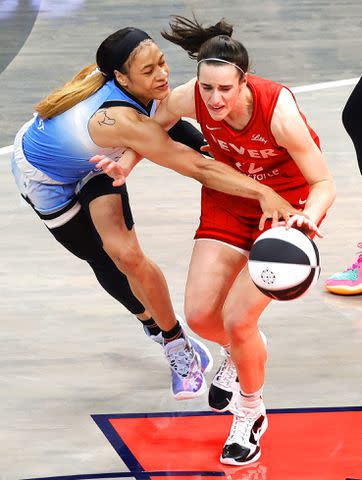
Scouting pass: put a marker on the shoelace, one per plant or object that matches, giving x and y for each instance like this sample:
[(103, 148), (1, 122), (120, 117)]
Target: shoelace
[(227, 372), (359, 259), (180, 361), (243, 422)]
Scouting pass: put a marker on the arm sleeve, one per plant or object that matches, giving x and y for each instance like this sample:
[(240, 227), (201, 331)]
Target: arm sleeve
[(184, 132)]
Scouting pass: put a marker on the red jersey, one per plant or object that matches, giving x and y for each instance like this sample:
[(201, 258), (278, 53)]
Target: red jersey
[(252, 150)]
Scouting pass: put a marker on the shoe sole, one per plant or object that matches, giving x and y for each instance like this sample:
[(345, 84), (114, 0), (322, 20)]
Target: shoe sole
[(191, 395), (344, 290), (231, 461)]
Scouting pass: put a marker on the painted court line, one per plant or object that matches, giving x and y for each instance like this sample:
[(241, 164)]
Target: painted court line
[(303, 88), (322, 86), (139, 475)]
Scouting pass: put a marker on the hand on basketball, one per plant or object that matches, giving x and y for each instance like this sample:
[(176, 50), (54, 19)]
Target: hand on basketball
[(111, 168), (301, 222), (276, 208)]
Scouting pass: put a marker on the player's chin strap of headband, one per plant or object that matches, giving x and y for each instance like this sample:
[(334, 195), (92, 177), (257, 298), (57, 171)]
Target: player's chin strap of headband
[(212, 59)]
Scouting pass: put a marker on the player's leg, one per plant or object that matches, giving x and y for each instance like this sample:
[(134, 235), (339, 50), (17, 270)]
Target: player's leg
[(110, 214), (352, 120), (213, 269), (242, 309), (215, 263)]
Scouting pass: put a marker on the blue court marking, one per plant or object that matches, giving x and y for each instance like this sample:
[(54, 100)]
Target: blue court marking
[(117, 443), (139, 475), (99, 418)]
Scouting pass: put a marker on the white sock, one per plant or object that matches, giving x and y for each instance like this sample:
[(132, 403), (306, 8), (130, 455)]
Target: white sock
[(252, 400)]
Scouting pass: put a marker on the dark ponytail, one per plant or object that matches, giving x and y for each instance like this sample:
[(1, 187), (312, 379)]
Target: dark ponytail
[(190, 35), (207, 42)]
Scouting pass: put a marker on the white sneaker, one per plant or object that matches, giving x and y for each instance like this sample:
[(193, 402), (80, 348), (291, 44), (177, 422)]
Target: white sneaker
[(225, 384), (242, 445)]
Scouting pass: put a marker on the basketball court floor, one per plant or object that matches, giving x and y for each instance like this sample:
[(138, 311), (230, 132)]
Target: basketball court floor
[(84, 394)]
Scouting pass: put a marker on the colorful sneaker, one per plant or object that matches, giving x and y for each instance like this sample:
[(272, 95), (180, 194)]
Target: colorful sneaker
[(206, 359), (242, 445), (225, 384), (348, 282), (188, 380)]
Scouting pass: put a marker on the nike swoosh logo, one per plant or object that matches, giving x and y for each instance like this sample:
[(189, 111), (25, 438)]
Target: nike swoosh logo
[(213, 128), (302, 202)]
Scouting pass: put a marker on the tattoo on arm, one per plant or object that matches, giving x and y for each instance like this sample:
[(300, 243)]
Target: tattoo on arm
[(105, 119)]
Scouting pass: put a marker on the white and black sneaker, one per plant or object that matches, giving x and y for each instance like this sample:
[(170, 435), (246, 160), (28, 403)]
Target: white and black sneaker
[(242, 445), (225, 384)]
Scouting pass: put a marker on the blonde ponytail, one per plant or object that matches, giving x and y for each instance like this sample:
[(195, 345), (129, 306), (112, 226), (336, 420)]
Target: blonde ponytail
[(82, 86)]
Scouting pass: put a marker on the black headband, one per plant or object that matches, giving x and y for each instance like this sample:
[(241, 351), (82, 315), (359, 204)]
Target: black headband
[(127, 44)]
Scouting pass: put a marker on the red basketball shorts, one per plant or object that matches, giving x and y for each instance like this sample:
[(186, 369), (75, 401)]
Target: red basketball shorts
[(235, 220)]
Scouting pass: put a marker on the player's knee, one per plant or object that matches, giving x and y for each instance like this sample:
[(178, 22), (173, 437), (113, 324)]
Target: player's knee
[(128, 258), (239, 325), (240, 332), (199, 320)]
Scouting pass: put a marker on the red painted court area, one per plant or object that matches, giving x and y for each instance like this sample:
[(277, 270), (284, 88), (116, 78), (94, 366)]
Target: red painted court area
[(298, 445)]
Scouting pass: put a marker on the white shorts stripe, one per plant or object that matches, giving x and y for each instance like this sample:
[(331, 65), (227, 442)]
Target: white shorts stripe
[(63, 218), (238, 249)]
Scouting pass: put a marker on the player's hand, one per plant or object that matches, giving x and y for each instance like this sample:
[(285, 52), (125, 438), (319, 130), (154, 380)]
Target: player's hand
[(276, 208), (111, 168), (301, 222)]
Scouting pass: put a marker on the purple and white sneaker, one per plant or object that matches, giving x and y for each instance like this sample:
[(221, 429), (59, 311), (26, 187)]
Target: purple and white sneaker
[(188, 380), (206, 360)]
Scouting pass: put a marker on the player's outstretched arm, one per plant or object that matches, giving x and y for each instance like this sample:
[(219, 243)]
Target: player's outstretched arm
[(149, 140)]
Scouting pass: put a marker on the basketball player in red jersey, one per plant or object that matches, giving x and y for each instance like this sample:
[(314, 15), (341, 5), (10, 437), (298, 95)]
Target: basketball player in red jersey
[(255, 126)]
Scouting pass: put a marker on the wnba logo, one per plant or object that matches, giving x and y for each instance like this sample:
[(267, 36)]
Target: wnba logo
[(268, 276)]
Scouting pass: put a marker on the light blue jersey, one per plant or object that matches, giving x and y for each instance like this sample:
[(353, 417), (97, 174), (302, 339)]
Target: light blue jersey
[(61, 146), (51, 157)]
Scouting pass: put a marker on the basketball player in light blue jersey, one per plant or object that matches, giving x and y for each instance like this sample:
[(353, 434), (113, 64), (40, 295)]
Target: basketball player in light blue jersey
[(104, 111), (85, 212)]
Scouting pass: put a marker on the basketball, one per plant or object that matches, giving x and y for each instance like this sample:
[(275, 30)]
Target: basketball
[(284, 264)]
